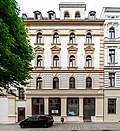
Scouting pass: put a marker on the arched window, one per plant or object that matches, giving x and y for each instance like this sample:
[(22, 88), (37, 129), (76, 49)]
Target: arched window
[(88, 83), (55, 61), (39, 38), (55, 83), (39, 83), (88, 38), (55, 38), (77, 15), (72, 61), (66, 15), (72, 38), (39, 61), (111, 32), (72, 83), (88, 61)]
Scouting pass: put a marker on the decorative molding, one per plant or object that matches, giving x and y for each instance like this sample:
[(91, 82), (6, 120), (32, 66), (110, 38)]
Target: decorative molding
[(72, 50), (89, 50), (39, 50), (55, 50)]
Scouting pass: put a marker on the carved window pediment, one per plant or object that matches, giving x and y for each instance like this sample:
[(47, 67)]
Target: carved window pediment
[(72, 50), (55, 50), (39, 50), (89, 50)]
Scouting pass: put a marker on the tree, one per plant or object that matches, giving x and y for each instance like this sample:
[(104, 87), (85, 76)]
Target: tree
[(15, 52)]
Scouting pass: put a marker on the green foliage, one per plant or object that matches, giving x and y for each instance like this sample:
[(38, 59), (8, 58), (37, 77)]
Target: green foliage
[(15, 52)]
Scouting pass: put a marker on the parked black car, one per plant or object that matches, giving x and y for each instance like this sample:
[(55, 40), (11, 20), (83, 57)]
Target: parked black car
[(37, 121)]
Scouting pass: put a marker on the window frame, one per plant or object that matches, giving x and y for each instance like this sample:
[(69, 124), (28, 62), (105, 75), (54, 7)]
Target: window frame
[(71, 83), (66, 15), (88, 61), (111, 106), (55, 61), (111, 79), (89, 83), (72, 38), (39, 61), (55, 103), (73, 108), (112, 56), (88, 38), (112, 33), (55, 38), (39, 37), (72, 61), (39, 83), (56, 83)]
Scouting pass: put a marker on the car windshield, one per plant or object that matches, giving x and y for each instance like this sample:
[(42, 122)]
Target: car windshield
[(33, 118)]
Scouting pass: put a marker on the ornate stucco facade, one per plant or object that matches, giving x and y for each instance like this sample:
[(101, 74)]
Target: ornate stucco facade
[(70, 70)]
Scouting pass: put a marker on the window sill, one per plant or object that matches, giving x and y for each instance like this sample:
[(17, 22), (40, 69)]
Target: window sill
[(69, 44), (39, 68), (72, 68), (88, 68), (89, 44), (55, 44), (38, 43), (55, 68)]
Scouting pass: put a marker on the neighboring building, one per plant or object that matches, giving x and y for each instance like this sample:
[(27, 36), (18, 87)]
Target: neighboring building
[(111, 63), (67, 79)]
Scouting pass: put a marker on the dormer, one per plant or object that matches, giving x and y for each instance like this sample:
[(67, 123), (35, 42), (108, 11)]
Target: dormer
[(37, 15), (92, 15), (24, 16), (72, 10), (51, 15)]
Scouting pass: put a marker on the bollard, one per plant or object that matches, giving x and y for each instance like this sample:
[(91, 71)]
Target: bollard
[(62, 120)]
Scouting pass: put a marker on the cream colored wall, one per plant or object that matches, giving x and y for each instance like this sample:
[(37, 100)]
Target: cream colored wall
[(112, 94)]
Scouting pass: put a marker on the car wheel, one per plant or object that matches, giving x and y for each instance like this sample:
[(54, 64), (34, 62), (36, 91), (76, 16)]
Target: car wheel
[(23, 126)]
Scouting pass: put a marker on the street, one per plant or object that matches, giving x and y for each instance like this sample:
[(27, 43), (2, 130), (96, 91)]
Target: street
[(88, 126)]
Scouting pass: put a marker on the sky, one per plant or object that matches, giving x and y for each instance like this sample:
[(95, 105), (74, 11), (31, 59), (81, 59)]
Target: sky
[(28, 6)]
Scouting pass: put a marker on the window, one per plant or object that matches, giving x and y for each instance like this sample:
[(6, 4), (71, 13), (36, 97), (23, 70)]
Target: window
[(21, 93), (37, 106), (72, 38), (112, 56), (55, 38), (51, 15), (39, 38), (88, 83), (88, 38), (111, 106), (66, 15), (72, 106), (39, 83), (55, 61), (72, 83), (39, 61), (55, 106), (88, 61), (55, 83), (111, 33), (111, 79), (72, 61), (77, 15)]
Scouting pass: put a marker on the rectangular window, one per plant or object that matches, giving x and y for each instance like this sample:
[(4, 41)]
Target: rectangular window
[(55, 106), (111, 79), (111, 106), (37, 106), (72, 107), (112, 56)]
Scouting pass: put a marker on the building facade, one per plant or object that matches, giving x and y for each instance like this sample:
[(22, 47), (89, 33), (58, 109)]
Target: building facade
[(111, 63), (76, 70), (68, 76)]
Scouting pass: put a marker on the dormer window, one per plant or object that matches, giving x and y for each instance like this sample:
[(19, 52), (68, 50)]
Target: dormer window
[(92, 15), (51, 15), (66, 15), (37, 15), (77, 15), (111, 32)]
